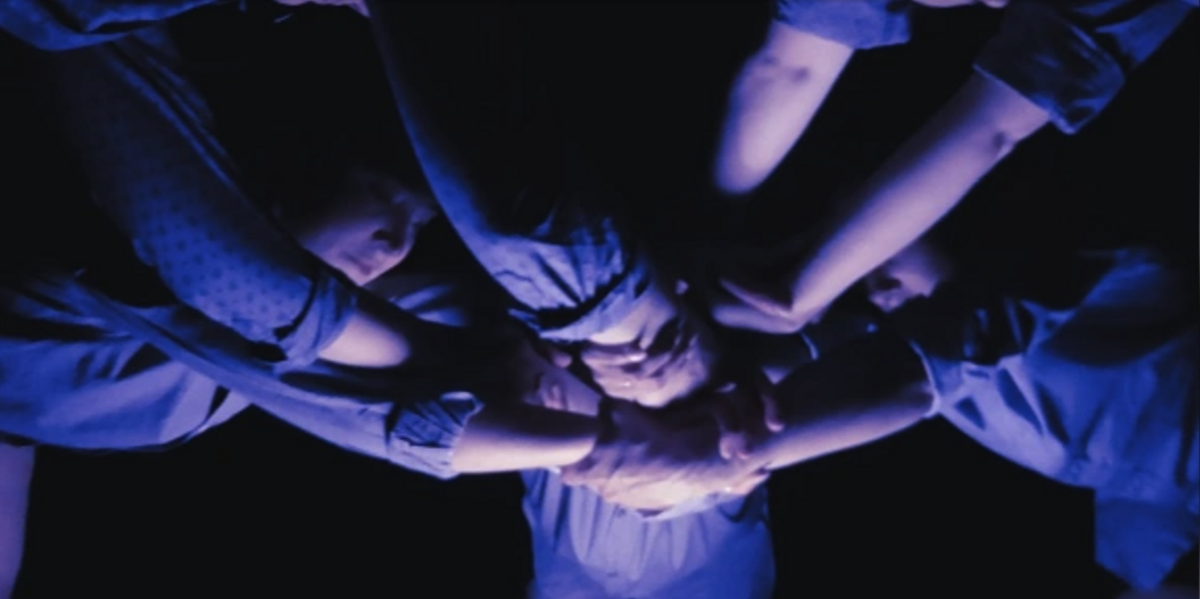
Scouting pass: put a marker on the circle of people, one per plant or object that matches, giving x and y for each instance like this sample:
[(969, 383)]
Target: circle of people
[(597, 371)]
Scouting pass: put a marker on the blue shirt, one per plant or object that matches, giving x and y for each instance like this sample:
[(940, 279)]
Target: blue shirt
[(1099, 390), (531, 214), (242, 307)]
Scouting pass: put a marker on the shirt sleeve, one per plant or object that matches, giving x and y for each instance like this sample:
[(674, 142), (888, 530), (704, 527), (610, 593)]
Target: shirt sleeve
[(860, 24), (1071, 57), (67, 24), (516, 192), (143, 140), (411, 416)]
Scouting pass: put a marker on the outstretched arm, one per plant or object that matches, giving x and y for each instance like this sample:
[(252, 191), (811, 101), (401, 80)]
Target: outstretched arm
[(913, 190), (1049, 62), (853, 395)]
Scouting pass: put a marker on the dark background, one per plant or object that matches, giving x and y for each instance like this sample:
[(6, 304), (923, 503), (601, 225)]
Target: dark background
[(257, 508)]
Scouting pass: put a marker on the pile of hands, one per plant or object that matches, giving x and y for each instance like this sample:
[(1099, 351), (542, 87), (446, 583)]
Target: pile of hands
[(654, 459), (651, 459)]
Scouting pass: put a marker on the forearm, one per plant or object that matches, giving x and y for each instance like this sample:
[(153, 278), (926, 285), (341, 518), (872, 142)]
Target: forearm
[(370, 340), (772, 102), (918, 186), (850, 397), (16, 472), (519, 437)]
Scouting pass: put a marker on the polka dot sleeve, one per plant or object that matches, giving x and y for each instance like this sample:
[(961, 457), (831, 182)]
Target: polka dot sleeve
[(143, 139)]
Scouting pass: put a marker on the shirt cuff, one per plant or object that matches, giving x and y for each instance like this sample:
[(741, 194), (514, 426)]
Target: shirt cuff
[(612, 305), (332, 302), (859, 24), (1072, 60), (426, 434)]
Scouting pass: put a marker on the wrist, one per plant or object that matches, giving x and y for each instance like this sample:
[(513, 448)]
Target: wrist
[(599, 433)]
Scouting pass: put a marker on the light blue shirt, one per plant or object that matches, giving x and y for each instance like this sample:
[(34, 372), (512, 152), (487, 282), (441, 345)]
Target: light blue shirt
[(1099, 393)]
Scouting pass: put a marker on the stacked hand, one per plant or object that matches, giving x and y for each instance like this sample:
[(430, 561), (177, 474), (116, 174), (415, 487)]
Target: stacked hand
[(654, 459), (757, 290)]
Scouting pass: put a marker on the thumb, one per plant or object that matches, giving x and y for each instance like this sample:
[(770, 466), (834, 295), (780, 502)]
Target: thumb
[(758, 297), (750, 484)]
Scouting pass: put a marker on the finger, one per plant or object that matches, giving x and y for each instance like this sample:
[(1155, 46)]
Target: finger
[(731, 433), (603, 356), (618, 386), (757, 298), (573, 475), (555, 399), (559, 358), (745, 402), (736, 314), (772, 413)]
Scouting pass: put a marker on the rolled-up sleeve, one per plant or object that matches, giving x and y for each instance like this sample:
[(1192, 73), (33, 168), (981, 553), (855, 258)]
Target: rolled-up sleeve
[(142, 138), (414, 428), (66, 24), (1071, 57), (860, 24), (410, 416)]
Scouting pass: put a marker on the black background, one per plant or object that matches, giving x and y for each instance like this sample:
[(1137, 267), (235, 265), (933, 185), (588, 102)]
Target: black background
[(257, 508)]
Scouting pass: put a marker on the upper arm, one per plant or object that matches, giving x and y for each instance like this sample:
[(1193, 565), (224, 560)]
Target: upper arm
[(143, 141)]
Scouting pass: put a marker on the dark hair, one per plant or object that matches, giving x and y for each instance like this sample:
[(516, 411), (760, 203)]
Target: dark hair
[(297, 116), (308, 162)]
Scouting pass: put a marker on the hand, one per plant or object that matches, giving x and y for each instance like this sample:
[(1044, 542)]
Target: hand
[(746, 414), (649, 461), (534, 372), (673, 358), (761, 300), (754, 289)]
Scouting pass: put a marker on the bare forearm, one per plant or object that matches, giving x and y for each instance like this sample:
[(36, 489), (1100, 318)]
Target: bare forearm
[(855, 395), (368, 341), (518, 437), (380, 335), (918, 186), (773, 100)]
